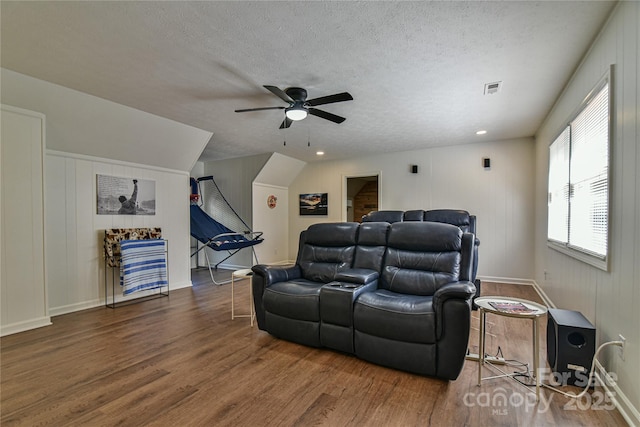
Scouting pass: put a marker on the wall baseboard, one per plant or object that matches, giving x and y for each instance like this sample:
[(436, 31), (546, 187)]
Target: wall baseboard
[(26, 325), (510, 280), (85, 305), (528, 282), (630, 414), (71, 308)]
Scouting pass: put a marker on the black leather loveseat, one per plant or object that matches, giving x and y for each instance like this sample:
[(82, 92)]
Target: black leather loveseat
[(398, 295)]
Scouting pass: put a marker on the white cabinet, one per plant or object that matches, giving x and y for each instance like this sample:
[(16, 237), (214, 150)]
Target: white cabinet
[(23, 290)]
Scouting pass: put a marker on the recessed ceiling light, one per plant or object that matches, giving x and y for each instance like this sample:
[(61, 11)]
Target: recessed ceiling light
[(320, 153), (481, 132)]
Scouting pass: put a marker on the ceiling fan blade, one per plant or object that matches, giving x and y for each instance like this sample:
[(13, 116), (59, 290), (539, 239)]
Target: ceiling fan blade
[(338, 97), (326, 115), (259, 109), (279, 93), (286, 123)]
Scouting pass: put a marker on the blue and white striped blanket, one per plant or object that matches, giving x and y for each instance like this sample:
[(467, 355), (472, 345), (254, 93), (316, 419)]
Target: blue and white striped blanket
[(143, 265)]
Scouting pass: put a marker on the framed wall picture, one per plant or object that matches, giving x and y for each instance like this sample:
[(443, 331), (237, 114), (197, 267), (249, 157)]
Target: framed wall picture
[(125, 196), (313, 204)]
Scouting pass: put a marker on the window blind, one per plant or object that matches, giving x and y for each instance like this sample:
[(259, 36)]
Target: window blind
[(578, 211), (589, 176), (558, 203)]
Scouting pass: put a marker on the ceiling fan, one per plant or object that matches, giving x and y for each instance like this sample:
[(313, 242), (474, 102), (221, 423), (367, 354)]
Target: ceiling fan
[(300, 106)]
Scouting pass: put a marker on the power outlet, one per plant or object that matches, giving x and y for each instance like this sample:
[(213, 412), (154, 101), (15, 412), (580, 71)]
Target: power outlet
[(621, 347)]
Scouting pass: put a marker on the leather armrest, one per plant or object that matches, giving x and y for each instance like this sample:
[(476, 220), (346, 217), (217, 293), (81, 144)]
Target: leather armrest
[(263, 277), (361, 276), (458, 290), (274, 274)]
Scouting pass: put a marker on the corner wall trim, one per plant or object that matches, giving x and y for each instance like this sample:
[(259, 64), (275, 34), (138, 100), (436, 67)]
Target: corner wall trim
[(543, 295)]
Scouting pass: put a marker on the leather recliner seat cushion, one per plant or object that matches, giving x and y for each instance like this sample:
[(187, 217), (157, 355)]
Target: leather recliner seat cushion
[(296, 299), (407, 318)]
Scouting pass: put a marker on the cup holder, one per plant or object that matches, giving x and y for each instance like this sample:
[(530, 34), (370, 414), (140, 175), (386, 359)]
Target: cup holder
[(344, 285)]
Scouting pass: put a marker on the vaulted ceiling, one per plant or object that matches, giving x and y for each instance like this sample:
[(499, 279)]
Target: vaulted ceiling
[(416, 70)]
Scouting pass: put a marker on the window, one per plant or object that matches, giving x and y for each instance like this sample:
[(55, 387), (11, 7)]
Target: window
[(578, 198)]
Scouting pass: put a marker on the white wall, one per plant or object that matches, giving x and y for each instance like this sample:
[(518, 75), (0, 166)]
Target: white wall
[(610, 300), (75, 232), (77, 121), (274, 223), (448, 177), (274, 180), (84, 124)]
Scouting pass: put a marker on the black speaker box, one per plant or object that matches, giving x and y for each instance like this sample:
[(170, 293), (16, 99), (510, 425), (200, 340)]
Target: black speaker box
[(571, 344)]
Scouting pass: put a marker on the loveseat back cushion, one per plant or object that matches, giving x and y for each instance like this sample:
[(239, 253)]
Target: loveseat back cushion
[(421, 257), (459, 218), (383, 216), (326, 249), (415, 215), (372, 241)]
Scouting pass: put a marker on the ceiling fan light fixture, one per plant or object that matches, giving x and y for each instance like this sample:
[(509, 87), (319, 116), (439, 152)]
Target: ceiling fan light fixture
[(294, 113)]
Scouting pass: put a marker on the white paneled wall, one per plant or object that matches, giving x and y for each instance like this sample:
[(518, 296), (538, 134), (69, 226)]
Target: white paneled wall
[(23, 290), (447, 178), (75, 231), (610, 300)]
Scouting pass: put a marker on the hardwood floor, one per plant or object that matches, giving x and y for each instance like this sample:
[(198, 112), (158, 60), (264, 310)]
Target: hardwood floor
[(182, 361)]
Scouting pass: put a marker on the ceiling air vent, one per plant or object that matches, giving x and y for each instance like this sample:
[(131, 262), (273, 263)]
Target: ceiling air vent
[(491, 88)]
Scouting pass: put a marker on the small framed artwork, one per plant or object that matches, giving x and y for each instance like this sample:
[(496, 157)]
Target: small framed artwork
[(314, 204), (125, 196)]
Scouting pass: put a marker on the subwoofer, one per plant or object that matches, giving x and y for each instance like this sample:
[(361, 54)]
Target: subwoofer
[(571, 344)]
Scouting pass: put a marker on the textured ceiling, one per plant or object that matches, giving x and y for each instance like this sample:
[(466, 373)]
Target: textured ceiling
[(416, 70)]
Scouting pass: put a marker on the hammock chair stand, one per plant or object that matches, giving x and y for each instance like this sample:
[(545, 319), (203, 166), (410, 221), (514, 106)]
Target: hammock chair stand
[(214, 235)]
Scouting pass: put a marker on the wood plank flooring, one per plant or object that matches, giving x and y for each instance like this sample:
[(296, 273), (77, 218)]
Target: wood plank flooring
[(182, 361)]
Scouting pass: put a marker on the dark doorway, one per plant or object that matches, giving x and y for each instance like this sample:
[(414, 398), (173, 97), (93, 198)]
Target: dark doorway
[(362, 196)]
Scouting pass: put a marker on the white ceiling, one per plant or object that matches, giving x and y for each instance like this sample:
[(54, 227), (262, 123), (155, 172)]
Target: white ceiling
[(416, 70)]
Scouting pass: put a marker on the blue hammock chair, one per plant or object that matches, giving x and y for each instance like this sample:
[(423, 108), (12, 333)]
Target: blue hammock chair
[(214, 235)]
